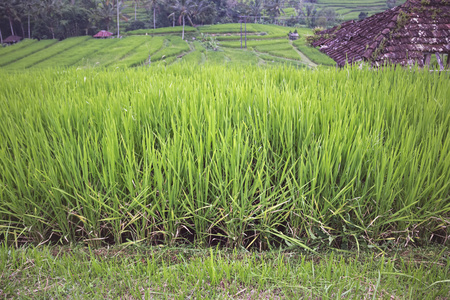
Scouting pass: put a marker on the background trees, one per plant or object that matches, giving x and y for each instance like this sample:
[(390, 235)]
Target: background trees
[(9, 10), (60, 19), (274, 9), (183, 9)]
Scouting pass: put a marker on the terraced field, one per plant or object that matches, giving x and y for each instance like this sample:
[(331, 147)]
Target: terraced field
[(350, 9), (266, 45), (347, 10)]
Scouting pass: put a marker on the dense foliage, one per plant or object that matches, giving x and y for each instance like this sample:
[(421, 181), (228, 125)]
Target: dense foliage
[(67, 18), (250, 157)]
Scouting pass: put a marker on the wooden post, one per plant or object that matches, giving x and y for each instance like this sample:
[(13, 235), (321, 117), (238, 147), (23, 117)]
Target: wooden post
[(448, 61), (1, 37), (118, 26), (245, 20), (427, 60), (240, 21), (439, 60)]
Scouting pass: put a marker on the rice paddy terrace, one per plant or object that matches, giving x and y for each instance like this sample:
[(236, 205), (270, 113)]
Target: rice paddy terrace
[(266, 45), (350, 9), (347, 10)]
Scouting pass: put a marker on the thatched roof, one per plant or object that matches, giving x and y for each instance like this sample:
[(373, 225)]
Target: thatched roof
[(103, 34), (406, 34), (12, 39)]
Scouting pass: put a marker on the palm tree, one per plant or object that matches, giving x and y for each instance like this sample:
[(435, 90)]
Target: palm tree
[(28, 7), (9, 10), (105, 12), (256, 8), (184, 9), (50, 11), (275, 8), (153, 4), (200, 10), (136, 3)]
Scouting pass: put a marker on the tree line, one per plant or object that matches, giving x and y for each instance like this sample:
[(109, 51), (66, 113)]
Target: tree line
[(59, 19)]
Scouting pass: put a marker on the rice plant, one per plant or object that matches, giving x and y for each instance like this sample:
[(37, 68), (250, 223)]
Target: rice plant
[(251, 157)]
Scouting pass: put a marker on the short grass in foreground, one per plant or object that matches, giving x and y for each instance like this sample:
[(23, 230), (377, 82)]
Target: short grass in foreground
[(137, 272)]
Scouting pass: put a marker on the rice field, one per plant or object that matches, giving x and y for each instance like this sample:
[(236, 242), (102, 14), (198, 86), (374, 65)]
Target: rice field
[(252, 157), (313, 54), (54, 50), (134, 50), (163, 30), (21, 52)]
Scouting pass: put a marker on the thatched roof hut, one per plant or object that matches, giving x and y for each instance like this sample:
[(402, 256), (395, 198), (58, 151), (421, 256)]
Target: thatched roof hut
[(293, 36), (12, 39), (103, 34), (407, 34)]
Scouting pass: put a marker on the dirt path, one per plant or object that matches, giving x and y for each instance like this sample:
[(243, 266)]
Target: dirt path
[(305, 59)]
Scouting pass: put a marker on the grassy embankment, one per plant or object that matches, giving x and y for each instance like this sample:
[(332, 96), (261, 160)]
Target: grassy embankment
[(187, 273)]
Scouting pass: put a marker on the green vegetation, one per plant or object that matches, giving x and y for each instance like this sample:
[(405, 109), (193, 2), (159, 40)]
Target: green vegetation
[(226, 28), (77, 53), (7, 49), (30, 48), (195, 57), (174, 46), (123, 49), (140, 54), (47, 53), (215, 57), (134, 50), (274, 60), (164, 30), (287, 53), (278, 45), (313, 54), (252, 43), (137, 272), (252, 157), (250, 37)]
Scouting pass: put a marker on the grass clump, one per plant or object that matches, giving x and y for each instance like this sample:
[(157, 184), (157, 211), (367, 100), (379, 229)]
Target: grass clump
[(313, 54), (254, 157)]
